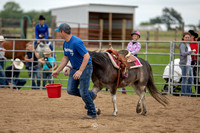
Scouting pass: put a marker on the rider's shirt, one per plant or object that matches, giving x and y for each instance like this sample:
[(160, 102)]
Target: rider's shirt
[(41, 31), (74, 50)]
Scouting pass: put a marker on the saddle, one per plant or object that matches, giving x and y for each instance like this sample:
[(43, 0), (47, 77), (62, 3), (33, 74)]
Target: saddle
[(123, 60)]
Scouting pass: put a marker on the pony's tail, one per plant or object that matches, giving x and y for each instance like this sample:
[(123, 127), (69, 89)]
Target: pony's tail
[(156, 94)]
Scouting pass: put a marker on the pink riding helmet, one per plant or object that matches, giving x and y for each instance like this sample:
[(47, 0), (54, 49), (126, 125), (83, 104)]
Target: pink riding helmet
[(136, 32)]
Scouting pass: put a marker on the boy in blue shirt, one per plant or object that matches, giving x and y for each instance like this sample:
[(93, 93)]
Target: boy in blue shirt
[(76, 53), (48, 62)]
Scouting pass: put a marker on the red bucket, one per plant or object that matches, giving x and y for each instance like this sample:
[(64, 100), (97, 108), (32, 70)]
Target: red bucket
[(54, 90)]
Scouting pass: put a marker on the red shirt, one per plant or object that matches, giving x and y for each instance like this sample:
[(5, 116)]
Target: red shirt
[(194, 46)]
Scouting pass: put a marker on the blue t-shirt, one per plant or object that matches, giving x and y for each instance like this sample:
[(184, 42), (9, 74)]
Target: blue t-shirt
[(51, 61), (41, 30), (74, 50)]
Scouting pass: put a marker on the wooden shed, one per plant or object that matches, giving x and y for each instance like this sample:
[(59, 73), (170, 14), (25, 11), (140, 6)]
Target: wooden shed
[(97, 21)]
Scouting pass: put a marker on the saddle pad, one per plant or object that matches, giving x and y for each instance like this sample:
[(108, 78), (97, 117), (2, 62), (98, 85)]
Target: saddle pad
[(136, 63), (113, 60)]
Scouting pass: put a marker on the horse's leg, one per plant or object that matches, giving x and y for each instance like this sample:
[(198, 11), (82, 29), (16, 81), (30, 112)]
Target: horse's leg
[(140, 91), (114, 104), (113, 94), (144, 111), (95, 90)]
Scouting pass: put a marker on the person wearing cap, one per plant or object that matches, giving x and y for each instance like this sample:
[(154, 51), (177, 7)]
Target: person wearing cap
[(80, 74), (194, 46), (14, 69), (134, 46), (49, 64), (42, 30)]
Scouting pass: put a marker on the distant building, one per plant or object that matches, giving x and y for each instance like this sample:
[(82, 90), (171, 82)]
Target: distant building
[(160, 27), (98, 21)]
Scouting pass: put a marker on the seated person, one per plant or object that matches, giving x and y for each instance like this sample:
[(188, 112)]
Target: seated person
[(49, 63), (42, 31), (13, 81)]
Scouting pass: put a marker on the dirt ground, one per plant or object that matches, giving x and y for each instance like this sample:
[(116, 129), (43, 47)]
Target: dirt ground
[(31, 111)]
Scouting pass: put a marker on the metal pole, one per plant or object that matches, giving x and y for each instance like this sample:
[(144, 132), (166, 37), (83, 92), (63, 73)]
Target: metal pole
[(13, 58), (146, 51), (170, 69), (172, 73), (122, 45), (100, 43)]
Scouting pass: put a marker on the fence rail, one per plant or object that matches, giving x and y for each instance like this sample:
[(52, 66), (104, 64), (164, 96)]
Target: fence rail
[(158, 60)]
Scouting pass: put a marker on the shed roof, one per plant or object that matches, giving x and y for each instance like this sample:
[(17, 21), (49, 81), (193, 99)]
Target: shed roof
[(95, 4)]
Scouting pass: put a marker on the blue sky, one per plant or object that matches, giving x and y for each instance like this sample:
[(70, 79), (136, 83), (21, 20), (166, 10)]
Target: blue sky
[(189, 9)]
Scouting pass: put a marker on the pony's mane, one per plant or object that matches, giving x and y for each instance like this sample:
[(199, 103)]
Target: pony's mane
[(99, 58)]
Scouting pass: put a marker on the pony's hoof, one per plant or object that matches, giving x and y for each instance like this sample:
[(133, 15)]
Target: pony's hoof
[(98, 111), (144, 113), (138, 110), (115, 114)]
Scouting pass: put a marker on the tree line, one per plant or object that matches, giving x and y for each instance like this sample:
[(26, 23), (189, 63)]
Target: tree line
[(12, 10), (169, 16)]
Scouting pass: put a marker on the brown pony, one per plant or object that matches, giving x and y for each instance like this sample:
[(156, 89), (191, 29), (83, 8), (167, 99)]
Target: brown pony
[(141, 79), (19, 45)]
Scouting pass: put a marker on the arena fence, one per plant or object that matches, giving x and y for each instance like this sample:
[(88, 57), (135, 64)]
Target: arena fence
[(158, 57)]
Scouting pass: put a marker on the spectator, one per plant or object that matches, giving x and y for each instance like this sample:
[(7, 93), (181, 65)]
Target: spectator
[(185, 64), (12, 74), (48, 62), (42, 31), (134, 46), (32, 57), (194, 46), (2, 52), (2, 58)]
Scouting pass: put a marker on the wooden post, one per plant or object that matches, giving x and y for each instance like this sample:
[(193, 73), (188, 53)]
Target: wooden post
[(101, 29), (78, 30), (147, 36), (124, 29), (110, 28), (33, 28), (175, 34), (156, 36), (53, 26), (133, 22), (183, 27), (1, 25), (25, 26)]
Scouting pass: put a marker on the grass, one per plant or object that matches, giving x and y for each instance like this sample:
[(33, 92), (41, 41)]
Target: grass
[(151, 58)]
